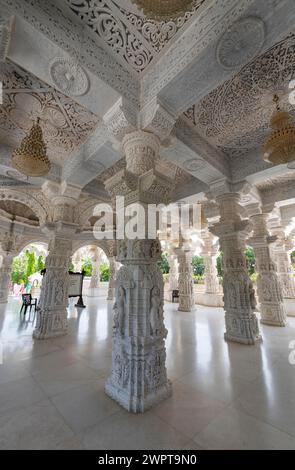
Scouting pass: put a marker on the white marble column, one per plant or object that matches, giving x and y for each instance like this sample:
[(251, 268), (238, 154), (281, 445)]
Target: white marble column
[(5, 273), (77, 262), (112, 279), (185, 280), (212, 296), (138, 378), (52, 311), (241, 323), (95, 277), (281, 252), (173, 273), (268, 286), (209, 254)]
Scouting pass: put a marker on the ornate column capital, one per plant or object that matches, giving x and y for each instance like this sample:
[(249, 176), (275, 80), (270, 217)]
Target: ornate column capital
[(141, 150), (123, 119), (63, 198)]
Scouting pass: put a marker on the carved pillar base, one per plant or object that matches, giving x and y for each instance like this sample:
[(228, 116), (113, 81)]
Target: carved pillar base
[(5, 272), (138, 381), (139, 378), (51, 324), (52, 313)]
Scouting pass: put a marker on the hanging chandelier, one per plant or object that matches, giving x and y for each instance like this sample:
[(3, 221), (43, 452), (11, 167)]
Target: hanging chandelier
[(30, 157), (162, 10), (280, 146)]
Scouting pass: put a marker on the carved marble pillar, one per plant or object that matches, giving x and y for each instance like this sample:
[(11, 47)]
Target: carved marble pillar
[(185, 280), (10, 244), (209, 254), (241, 324), (281, 252), (268, 285), (112, 279), (5, 272), (95, 277), (77, 262), (138, 378), (52, 311), (173, 272)]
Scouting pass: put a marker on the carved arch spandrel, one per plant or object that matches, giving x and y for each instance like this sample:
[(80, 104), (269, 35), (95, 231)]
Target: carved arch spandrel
[(33, 200)]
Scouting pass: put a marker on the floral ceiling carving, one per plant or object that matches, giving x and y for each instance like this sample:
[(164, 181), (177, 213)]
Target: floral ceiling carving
[(66, 125), (235, 116), (135, 40)]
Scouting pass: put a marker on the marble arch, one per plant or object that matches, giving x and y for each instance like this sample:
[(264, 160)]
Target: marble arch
[(28, 199)]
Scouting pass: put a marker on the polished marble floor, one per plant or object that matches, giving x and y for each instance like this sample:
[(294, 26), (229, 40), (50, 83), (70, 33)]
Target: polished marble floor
[(226, 396)]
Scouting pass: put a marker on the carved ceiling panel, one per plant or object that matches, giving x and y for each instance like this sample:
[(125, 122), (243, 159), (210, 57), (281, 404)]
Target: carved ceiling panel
[(235, 116), (66, 125), (135, 40)]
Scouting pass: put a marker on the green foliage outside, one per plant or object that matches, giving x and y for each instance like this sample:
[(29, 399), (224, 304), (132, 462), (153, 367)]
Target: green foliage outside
[(86, 267), (24, 266), (250, 257), (104, 272), (104, 269), (219, 264), (164, 264), (166, 277), (198, 265), (198, 279), (199, 268)]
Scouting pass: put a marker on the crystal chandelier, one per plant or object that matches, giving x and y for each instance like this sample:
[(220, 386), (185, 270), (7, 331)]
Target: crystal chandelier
[(30, 157), (162, 10), (280, 146)]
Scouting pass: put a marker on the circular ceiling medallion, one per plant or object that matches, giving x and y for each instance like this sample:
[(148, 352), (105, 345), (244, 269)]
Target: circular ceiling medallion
[(240, 43), (69, 77), (194, 164)]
